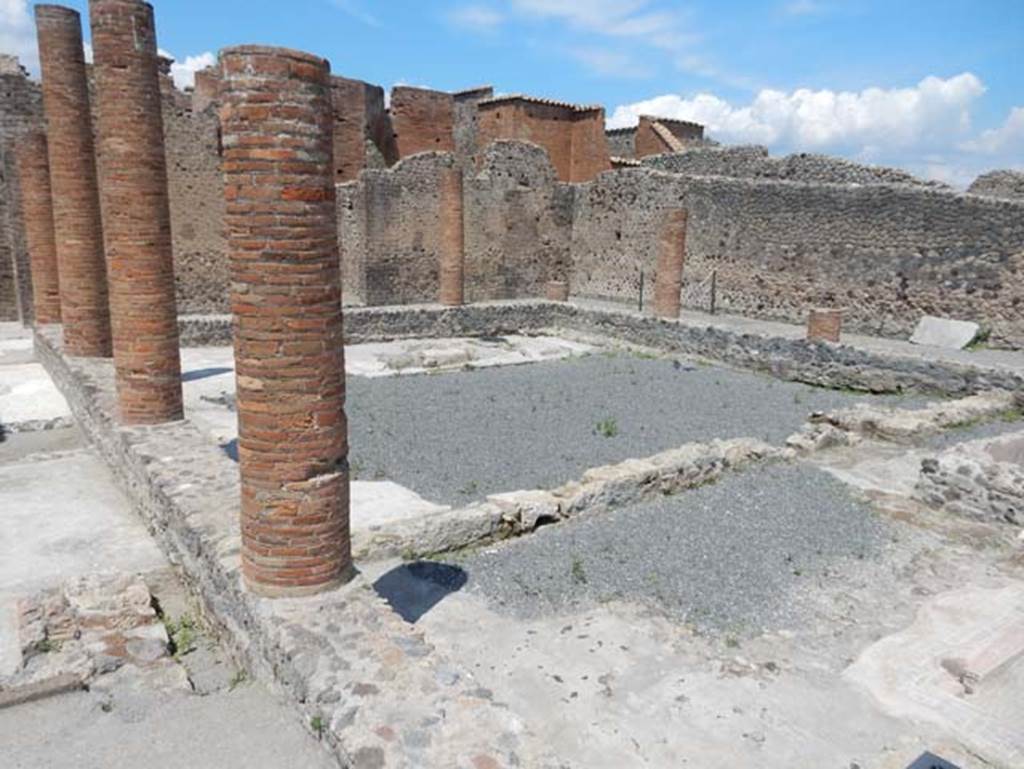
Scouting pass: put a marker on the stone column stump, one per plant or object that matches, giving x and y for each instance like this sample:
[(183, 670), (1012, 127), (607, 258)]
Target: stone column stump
[(136, 212), (277, 122), (557, 291), (76, 202)]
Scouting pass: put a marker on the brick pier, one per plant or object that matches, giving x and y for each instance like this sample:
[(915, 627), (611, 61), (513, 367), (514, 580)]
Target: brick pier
[(37, 213), (76, 204), (136, 212), (824, 324), (668, 283), (276, 119), (453, 249)]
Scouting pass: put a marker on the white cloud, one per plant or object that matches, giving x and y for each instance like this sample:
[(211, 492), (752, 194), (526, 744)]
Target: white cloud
[(1006, 139), (184, 73), (933, 111), (477, 17), (925, 128), (18, 33)]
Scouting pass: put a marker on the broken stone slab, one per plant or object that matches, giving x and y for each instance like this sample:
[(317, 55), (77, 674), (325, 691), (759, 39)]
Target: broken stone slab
[(944, 332), (906, 425), (981, 480)]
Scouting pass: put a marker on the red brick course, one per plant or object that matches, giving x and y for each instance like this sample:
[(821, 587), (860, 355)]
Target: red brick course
[(668, 281), (824, 325), (557, 291), (76, 206), (136, 212), (276, 119), (453, 247), (37, 213), (422, 120)]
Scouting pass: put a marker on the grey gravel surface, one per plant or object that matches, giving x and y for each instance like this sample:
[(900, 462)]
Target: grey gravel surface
[(456, 437), (734, 556)]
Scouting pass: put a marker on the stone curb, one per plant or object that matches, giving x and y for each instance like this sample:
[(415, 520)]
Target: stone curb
[(41, 690), (516, 513)]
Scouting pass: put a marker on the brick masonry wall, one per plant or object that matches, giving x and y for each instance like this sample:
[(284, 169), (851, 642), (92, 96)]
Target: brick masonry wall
[(590, 154), (621, 142), (466, 126), (518, 224), (192, 146), (422, 120), (359, 118), (20, 111), (546, 125), (402, 241), (888, 254)]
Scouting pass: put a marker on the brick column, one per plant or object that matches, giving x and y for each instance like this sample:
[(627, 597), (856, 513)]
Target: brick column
[(37, 213), (76, 203), (277, 121), (668, 281), (453, 251), (824, 325), (557, 291), (136, 212)]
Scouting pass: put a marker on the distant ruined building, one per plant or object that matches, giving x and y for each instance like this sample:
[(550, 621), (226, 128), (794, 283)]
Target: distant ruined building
[(550, 195)]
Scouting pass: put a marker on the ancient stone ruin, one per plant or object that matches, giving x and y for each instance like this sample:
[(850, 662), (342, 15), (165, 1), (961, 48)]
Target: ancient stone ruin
[(652, 398)]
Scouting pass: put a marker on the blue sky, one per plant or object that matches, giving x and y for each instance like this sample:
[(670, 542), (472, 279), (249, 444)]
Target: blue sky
[(936, 87)]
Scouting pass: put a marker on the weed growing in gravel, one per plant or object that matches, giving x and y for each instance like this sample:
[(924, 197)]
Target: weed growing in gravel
[(316, 723), (609, 428), (47, 645), (470, 488), (579, 574)]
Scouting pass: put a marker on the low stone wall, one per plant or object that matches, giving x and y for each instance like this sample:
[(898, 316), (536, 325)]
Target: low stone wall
[(794, 359), (367, 683)]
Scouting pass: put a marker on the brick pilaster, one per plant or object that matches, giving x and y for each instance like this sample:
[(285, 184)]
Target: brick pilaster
[(668, 281), (453, 250)]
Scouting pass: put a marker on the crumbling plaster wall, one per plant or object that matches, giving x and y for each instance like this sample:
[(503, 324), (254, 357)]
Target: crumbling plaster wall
[(888, 254), (517, 220)]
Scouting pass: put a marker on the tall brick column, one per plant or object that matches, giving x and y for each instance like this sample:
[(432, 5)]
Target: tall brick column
[(276, 120), (136, 212), (668, 282), (76, 203), (453, 252), (37, 213)]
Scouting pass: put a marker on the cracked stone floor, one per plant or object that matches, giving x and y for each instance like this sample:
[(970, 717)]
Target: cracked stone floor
[(802, 614)]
